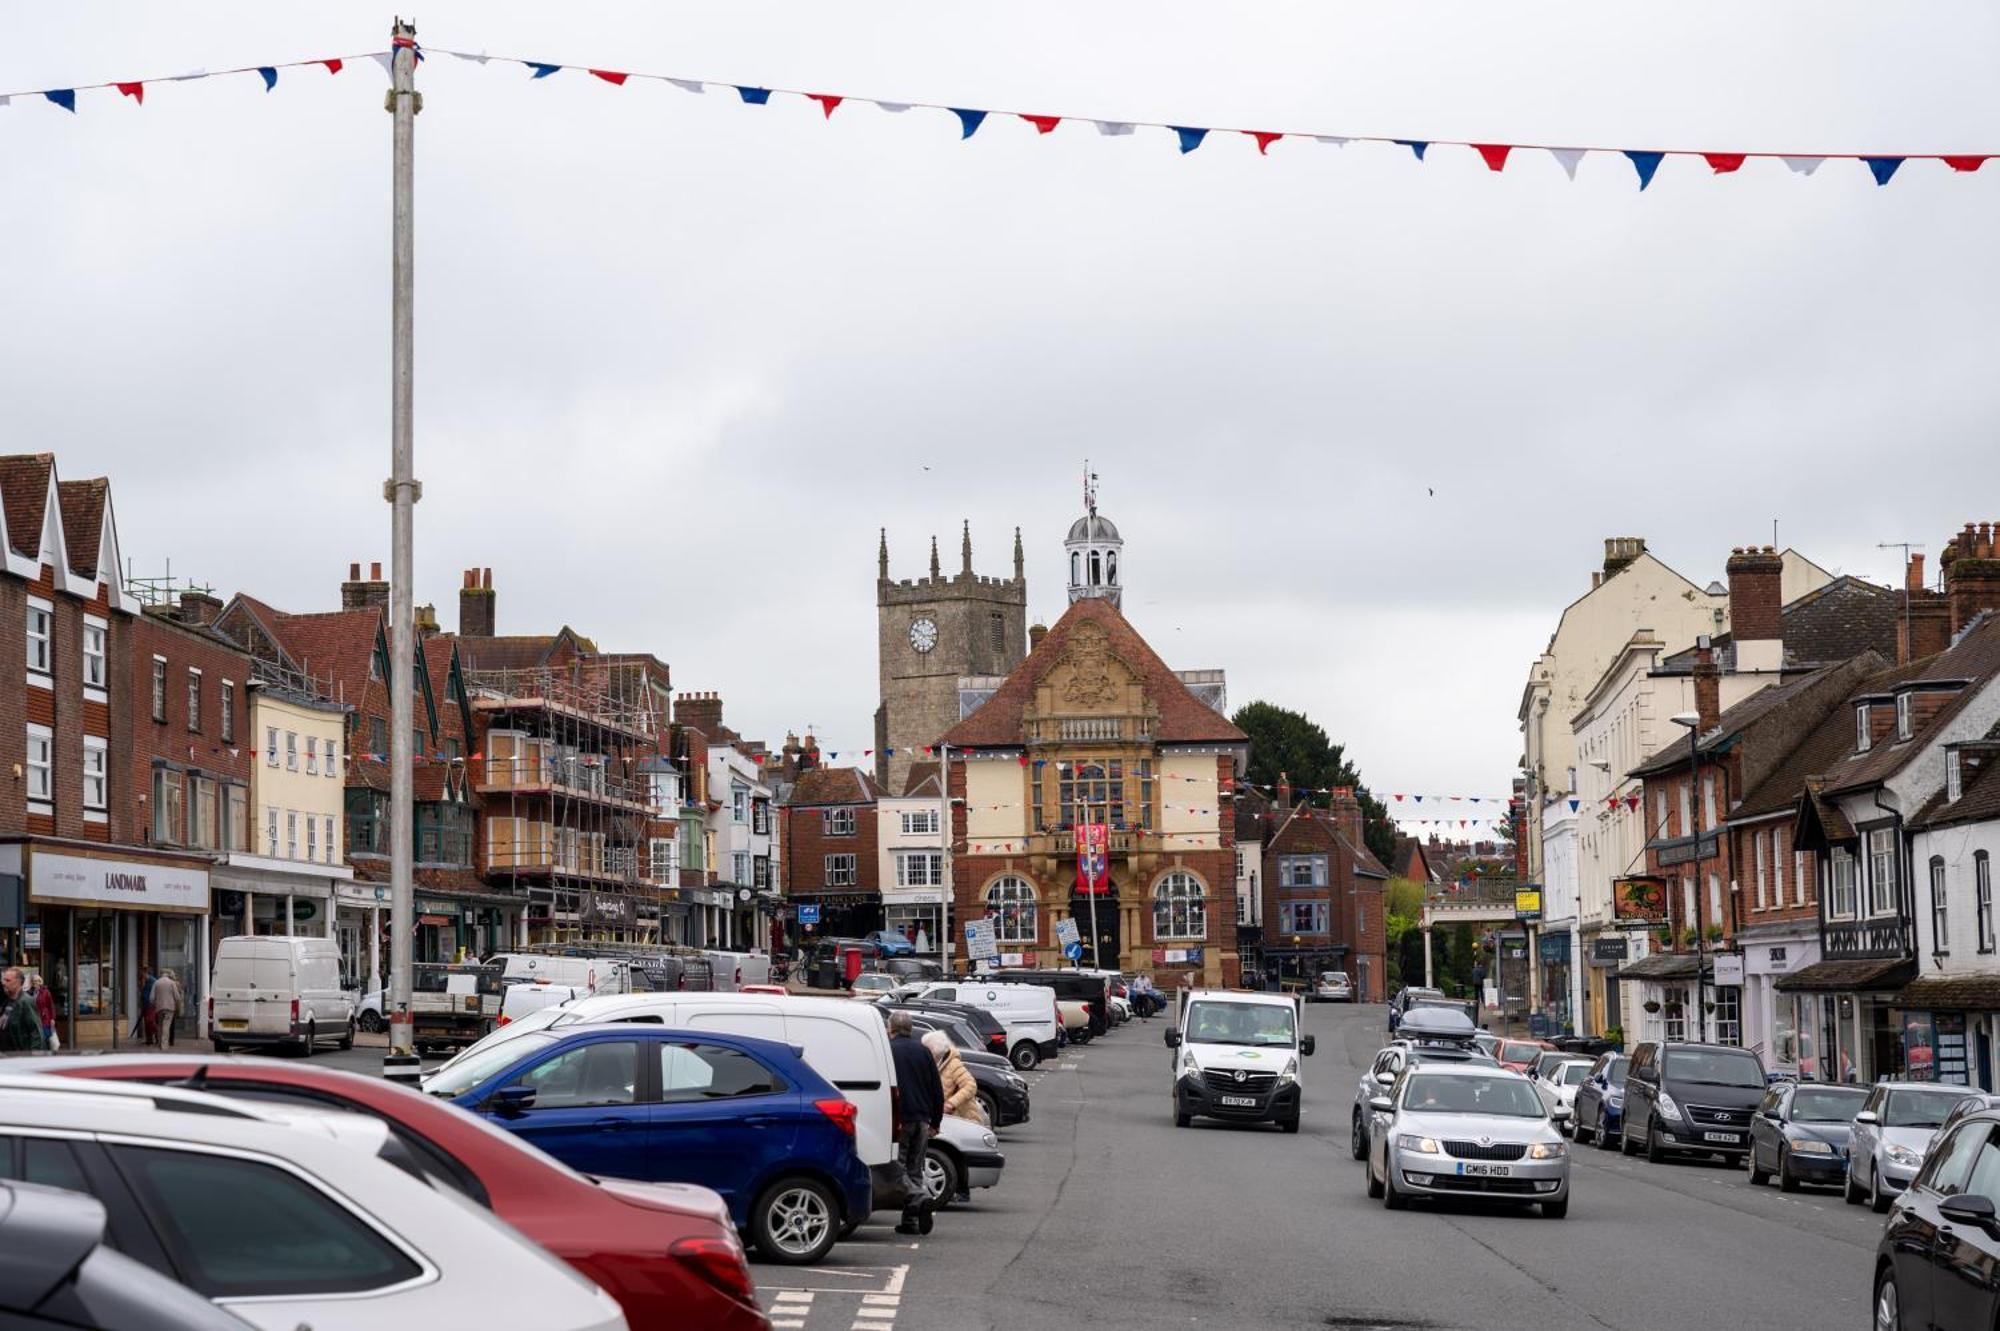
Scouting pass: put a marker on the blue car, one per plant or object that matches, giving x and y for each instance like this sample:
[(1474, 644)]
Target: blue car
[(743, 1116), (1600, 1102), (889, 943)]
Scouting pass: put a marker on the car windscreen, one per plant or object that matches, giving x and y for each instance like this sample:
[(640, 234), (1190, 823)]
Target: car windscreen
[(465, 1073), (1572, 1074), (1714, 1067), (1919, 1109), (1614, 1072), (1829, 1104), (1517, 1051), (1504, 1097), (1240, 1023)]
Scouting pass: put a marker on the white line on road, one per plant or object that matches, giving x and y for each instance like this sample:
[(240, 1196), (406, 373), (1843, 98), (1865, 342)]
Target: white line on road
[(895, 1284), (874, 1326), (794, 1296), (882, 1300)]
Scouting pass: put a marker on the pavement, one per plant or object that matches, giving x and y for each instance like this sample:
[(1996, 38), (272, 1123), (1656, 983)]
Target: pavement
[(1109, 1216)]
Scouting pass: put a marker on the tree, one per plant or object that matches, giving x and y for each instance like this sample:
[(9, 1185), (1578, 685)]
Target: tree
[(1285, 742), (1404, 905)]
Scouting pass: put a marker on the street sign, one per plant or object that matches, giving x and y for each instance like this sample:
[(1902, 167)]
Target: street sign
[(1074, 951), (980, 944), (809, 915), (1528, 903), (1067, 933)]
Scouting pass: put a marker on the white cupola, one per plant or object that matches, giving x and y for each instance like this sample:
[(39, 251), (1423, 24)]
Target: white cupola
[(1095, 551)]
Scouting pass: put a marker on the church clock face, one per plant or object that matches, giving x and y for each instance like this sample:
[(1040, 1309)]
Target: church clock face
[(923, 634)]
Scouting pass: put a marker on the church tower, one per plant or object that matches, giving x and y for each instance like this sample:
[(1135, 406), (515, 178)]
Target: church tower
[(931, 632), (1095, 551)]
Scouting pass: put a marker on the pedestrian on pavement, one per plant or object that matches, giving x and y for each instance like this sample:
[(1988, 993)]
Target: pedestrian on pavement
[(920, 1102), (20, 1024), (961, 1092), (142, 1020), (166, 1006), (45, 1008)]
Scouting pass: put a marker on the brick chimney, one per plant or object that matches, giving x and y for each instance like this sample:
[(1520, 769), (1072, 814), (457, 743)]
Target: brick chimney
[(1620, 551), (1756, 607), (1036, 632), (1346, 810), (359, 593), (699, 711), (1971, 575), (199, 607), (1284, 791), (1925, 626), (476, 616), (1707, 687), (425, 619)]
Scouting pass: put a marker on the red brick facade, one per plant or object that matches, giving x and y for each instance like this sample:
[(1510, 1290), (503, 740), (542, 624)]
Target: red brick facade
[(183, 750)]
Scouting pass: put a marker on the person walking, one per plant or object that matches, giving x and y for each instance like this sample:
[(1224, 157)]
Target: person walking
[(961, 1092), (920, 1104), (45, 1007), (142, 1020), (20, 1024), (166, 1007)]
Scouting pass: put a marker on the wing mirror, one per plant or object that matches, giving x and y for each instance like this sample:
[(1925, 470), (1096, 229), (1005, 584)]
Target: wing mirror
[(1970, 1209), (509, 1101), (1379, 1103), (1173, 1039), (1867, 1116), (1385, 1079), (1306, 1046)]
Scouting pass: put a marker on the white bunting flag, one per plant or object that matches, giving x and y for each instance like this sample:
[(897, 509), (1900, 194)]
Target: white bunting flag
[(479, 59), (1337, 140), (1805, 166), (387, 59), (1567, 158), (1112, 127), (897, 107), (687, 85)]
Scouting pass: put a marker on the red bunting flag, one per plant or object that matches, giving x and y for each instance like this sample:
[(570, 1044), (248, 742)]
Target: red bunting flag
[(1965, 163), (827, 101), (1723, 163), (1265, 138), (1495, 154), (611, 76), (332, 66), (1043, 124), (136, 91)]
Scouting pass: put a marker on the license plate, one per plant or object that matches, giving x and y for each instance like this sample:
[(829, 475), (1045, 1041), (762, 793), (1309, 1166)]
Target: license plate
[(1729, 1137), (1246, 1101), (229, 1024), (1484, 1171)]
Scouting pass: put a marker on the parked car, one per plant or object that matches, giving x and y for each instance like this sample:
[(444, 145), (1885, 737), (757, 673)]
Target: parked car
[(1973, 1102), (592, 974), (1460, 1130), (992, 1035), (875, 982), (612, 1230), (286, 1218), (1691, 1098), (1003, 1093), (1028, 1011), (1334, 987), (1892, 1132), (65, 1273), (1600, 1102), (1557, 1083), (1935, 1261), (1801, 1134), (1237, 1058), (453, 1004), (1075, 1014), (1520, 1055), (1092, 987), (962, 1156), (749, 1118), (285, 989), (889, 943)]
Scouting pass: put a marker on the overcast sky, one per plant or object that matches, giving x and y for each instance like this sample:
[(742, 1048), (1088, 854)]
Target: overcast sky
[(1363, 422)]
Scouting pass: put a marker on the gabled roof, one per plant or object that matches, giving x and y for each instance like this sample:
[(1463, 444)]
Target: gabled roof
[(335, 644), (1253, 808), (833, 785), (1975, 659), (24, 493), (1814, 751), (82, 506), (1842, 619), (1184, 718), (1782, 715), (922, 782), (527, 651), (1979, 801)]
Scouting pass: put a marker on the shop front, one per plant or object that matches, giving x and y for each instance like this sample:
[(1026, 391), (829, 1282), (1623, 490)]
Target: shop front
[(93, 917), (837, 914), (1552, 949), (1771, 1018), (1847, 1017), (1603, 997), (917, 914), (1949, 1028), (360, 919)]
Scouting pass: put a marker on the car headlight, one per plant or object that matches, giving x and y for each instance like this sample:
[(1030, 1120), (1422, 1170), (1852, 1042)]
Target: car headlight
[(1668, 1109), (1808, 1146), (989, 1141), (1420, 1145), (1548, 1150), (1189, 1068), (1903, 1155), (1291, 1072)]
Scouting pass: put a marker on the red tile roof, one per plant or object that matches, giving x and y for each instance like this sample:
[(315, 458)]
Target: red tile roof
[(82, 506), (833, 785), (24, 490), (1184, 718)]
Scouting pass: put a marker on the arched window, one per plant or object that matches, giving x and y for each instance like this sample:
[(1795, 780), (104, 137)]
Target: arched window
[(1076, 568), (1178, 911), (1096, 569), (1010, 904), (1111, 568)]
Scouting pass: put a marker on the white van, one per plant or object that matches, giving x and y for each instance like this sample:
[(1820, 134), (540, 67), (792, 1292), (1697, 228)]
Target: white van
[(733, 970), (593, 975), (278, 989), (522, 999), (1237, 1057), (1027, 1011)]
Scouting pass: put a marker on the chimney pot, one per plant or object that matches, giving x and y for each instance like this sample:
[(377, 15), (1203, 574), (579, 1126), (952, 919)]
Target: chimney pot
[(354, 572), (375, 571)]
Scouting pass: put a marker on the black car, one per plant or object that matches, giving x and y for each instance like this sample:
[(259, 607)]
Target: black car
[(1410, 995), (1801, 1133), (1600, 1102), (1934, 1265), (984, 1024), (1691, 1098)]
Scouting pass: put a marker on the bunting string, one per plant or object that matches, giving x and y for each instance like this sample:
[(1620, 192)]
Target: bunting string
[(1496, 155)]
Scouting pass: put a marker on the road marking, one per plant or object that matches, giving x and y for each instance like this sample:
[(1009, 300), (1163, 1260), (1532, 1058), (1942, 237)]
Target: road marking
[(795, 1296), (789, 1323), (881, 1300), (895, 1281), (860, 1325)]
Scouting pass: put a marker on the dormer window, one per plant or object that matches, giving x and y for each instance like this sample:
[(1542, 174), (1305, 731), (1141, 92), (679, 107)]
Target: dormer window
[(1903, 723), (1954, 779), (1863, 741)]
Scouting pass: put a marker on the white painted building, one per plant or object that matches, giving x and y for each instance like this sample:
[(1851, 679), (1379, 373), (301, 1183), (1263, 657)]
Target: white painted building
[(742, 836), (912, 864)]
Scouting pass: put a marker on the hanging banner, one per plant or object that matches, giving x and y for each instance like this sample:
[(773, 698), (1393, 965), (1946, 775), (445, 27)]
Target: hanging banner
[(1093, 858)]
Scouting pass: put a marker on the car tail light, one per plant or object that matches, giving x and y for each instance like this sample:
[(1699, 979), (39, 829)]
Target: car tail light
[(719, 1262), (295, 1013), (998, 1040), (842, 1112)]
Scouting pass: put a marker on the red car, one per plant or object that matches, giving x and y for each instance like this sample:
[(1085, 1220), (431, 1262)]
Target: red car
[(666, 1251), (1520, 1055)]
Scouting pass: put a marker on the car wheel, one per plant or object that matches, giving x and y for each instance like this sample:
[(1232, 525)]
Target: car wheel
[(1847, 1188), (347, 1037), (1391, 1199), (312, 1039), (220, 1047), (1787, 1181), (1026, 1057), (847, 1230), (1374, 1185), (941, 1177), (1655, 1154), (1289, 1124), (373, 1023), (1759, 1177), (1605, 1141), (991, 1108), (1578, 1133), (1357, 1139), (1556, 1210), (1888, 1302), (793, 1222), (1878, 1200)]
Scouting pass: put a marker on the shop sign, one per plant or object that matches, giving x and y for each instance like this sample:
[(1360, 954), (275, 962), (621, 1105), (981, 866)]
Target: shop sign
[(808, 914), (116, 883), (1527, 903), (1919, 1047), (1687, 849), (361, 894), (1729, 970), (1553, 947), (1609, 950), (605, 908), (1639, 900), (1180, 956), (433, 906)]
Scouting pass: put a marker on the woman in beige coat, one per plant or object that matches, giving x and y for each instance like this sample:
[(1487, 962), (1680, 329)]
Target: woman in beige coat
[(961, 1093)]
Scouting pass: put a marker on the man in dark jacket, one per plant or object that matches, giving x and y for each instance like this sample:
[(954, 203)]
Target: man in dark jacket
[(21, 1025), (920, 1105)]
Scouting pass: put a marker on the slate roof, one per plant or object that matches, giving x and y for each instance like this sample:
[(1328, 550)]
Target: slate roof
[(833, 785), (82, 506), (1834, 976), (1660, 966), (1184, 718), (1965, 993), (24, 490), (1977, 802), (1844, 618), (1251, 807), (1975, 657), (1814, 751)]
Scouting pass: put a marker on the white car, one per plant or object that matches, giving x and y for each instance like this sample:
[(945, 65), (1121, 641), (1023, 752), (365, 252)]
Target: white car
[(962, 1156), (874, 984), (1558, 1083), (1334, 987), (289, 1218)]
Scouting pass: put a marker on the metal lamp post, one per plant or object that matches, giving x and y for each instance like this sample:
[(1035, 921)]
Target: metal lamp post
[(1692, 721)]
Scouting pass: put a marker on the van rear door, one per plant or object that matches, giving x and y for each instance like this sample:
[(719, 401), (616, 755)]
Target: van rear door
[(274, 985)]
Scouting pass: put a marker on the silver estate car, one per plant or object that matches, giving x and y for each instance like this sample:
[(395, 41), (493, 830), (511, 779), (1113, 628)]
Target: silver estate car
[(1463, 1130)]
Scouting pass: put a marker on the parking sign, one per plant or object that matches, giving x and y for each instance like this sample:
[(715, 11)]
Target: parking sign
[(808, 914)]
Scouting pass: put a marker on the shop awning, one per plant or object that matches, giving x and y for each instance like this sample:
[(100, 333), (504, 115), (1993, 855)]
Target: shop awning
[(1661, 966), (1952, 993), (1827, 977)]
